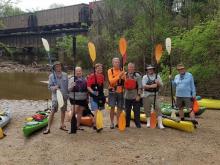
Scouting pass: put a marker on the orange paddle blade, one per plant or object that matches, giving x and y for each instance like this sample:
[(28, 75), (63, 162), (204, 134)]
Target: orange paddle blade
[(92, 51), (153, 120), (122, 46), (158, 52), (195, 106), (122, 121)]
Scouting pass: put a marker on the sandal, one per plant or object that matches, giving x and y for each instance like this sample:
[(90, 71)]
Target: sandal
[(63, 128), (47, 131), (81, 129)]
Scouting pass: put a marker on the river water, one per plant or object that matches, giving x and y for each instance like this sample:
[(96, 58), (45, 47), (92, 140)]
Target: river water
[(20, 85)]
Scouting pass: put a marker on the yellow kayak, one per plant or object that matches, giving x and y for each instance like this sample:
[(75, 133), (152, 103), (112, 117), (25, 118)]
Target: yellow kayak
[(182, 125), (209, 103)]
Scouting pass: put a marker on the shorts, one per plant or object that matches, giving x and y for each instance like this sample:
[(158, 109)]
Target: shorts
[(94, 105), (54, 107), (82, 103), (116, 99), (184, 102)]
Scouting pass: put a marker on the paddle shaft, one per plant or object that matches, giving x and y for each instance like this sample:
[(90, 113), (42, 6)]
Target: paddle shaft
[(73, 120), (171, 85), (155, 92)]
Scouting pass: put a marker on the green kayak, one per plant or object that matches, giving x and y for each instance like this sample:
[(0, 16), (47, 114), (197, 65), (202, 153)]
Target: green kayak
[(166, 109), (32, 125)]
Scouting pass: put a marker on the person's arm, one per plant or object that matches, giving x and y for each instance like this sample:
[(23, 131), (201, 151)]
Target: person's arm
[(71, 84), (112, 79), (89, 84), (51, 86), (193, 88)]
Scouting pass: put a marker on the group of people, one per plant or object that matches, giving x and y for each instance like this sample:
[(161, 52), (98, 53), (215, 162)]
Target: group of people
[(127, 90)]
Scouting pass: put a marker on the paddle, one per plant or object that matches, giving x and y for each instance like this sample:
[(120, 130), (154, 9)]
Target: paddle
[(59, 94), (122, 49), (74, 120), (99, 115), (168, 48), (158, 55)]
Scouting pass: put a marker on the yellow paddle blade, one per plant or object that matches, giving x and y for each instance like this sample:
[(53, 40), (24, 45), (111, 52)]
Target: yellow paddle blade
[(158, 52), (60, 99), (92, 51), (122, 46), (168, 45), (99, 120), (122, 121), (1, 133)]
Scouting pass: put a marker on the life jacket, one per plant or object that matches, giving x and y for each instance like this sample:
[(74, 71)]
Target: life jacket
[(130, 83), (38, 117), (118, 87), (81, 85), (150, 82)]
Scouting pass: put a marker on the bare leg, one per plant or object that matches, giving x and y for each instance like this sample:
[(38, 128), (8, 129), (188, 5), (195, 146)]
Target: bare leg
[(62, 119), (79, 115), (50, 120), (192, 115), (112, 114), (181, 113), (118, 113)]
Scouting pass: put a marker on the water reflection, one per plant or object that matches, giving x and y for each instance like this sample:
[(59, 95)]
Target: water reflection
[(23, 86)]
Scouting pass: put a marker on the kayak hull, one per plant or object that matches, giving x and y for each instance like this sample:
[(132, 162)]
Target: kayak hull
[(29, 129), (209, 103), (5, 117), (186, 126), (166, 109)]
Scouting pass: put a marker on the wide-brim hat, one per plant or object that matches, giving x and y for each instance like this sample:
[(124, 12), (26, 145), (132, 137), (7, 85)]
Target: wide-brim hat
[(150, 67), (56, 63), (180, 66)]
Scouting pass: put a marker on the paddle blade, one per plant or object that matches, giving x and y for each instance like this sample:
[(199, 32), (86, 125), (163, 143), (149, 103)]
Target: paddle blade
[(168, 45), (60, 99), (73, 124), (99, 120), (122, 121), (195, 106), (45, 44), (92, 51), (153, 120), (122, 46), (158, 52)]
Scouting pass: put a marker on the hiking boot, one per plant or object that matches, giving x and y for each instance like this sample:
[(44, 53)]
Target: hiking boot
[(148, 122), (160, 124)]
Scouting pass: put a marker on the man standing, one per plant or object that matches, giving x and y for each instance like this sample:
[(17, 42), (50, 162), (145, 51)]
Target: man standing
[(57, 80), (115, 77), (132, 95), (185, 90), (151, 83)]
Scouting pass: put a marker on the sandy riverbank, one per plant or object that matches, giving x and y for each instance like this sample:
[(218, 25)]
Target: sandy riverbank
[(134, 146)]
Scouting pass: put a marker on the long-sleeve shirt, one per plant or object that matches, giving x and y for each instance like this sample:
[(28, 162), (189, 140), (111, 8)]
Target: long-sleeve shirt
[(184, 84), (152, 77), (61, 81)]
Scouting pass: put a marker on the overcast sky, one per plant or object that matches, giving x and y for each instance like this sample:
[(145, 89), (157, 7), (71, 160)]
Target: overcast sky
[(44, 4)]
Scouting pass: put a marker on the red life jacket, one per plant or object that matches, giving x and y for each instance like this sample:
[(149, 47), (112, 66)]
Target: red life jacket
[(130, 82)]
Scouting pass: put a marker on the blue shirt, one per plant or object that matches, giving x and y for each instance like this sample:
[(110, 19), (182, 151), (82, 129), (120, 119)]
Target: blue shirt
[(184, 84), (61, 81)]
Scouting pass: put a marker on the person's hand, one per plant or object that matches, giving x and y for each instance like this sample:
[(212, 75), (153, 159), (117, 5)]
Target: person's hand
[(96, 93), (54, 88), (121, 74), (157, 82), (170, 77), (138, 97), (73, 84)]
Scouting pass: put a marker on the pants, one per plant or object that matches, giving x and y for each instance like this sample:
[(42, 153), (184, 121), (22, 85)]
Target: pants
[(148, 102), (136, 108)]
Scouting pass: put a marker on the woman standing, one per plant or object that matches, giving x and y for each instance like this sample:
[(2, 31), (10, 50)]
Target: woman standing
[(79, 87), (95, 85)]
